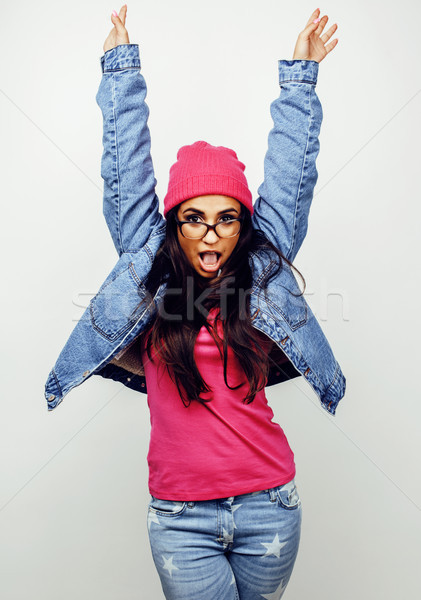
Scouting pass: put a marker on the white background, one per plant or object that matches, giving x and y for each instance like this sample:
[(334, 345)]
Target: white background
[(74, 490)]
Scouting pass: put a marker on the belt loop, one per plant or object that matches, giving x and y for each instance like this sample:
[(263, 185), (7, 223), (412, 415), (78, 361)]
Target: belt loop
[(272, 495)]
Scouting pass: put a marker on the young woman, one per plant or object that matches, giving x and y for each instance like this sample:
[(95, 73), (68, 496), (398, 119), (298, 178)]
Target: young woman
[(202, 311)]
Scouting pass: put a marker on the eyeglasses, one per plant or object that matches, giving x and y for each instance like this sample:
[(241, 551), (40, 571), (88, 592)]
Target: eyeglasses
[(195, 230)]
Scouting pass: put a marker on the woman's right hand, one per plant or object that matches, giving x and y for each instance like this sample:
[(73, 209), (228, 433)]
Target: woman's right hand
[(118, 34), (311, 45)]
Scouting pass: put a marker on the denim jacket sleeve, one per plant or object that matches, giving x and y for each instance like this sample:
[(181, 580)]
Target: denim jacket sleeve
[(290, 175), (130, 203)]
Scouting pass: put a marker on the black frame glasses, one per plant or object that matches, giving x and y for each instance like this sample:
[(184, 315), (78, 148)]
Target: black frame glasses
[(180, 223)]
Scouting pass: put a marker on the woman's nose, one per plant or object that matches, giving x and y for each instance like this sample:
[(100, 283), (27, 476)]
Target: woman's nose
[(210, 237)]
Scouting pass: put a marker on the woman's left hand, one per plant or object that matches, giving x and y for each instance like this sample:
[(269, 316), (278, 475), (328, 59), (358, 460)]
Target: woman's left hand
[(310, 44), (118, 34)]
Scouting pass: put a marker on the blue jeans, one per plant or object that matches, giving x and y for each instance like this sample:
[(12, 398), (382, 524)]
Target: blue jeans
[(237, 548)]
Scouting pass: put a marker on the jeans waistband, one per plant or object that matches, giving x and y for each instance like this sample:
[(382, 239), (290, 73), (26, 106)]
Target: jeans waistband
[(272, 492)]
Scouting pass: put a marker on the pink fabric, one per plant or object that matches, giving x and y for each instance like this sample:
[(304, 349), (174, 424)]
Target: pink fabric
[(224, 448)]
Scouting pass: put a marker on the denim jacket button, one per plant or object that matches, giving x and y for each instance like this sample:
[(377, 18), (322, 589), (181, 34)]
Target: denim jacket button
[(306, 372), (51, 397), (128, 379), (85, 373)]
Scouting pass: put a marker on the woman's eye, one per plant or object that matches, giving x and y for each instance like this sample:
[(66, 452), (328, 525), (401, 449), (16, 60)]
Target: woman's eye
[(197, 218)]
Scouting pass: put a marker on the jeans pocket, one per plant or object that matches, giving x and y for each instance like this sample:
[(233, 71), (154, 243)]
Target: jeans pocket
[(167, 508), (288, 496)]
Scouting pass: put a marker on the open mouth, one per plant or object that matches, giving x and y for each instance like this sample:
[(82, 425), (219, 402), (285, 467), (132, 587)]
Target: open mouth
[(210, 261)]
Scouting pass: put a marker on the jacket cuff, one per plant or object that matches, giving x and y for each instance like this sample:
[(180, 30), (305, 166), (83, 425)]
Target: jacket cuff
[(124, 56), (302, 71), (53, 391)]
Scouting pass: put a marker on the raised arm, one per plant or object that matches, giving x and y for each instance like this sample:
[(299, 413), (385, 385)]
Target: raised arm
[(290, 175), (130, 204)]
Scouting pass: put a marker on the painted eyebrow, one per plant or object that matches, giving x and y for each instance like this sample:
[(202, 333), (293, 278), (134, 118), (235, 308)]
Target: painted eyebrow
[(200, 212)]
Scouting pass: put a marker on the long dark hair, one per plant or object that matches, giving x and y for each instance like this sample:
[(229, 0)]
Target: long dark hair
[(189, 297)]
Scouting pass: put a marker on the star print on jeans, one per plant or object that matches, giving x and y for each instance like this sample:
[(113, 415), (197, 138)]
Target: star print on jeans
[(277, 593), (168, 564), (274, 547), (234, 508), (152, 518)]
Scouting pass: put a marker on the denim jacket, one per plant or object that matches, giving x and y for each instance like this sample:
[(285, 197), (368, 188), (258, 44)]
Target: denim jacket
[(105, 340)]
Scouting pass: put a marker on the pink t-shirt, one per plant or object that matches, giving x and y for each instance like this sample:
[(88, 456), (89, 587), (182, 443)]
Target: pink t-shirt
[(215, 450)]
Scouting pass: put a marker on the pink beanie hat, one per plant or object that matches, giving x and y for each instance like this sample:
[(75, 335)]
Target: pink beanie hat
[(203, 169)]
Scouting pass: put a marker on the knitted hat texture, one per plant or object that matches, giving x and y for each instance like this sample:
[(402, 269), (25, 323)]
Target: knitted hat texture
[(202, 169)]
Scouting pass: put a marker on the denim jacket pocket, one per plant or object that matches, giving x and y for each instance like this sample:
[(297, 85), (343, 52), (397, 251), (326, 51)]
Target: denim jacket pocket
[(167, 508), (119, 304), (283, 299), (288, 496)]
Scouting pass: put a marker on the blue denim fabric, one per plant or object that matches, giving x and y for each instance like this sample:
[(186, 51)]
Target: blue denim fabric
[(102, 342), (241, 547)]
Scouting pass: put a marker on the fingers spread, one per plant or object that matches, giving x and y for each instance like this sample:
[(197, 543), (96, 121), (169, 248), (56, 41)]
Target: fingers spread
[(329, 33), (310, 29), (322, 24), (331, 45), (313, 16)]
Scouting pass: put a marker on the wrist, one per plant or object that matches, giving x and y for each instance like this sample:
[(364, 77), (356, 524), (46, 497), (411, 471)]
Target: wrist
[(299, 70), (123, 56)]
